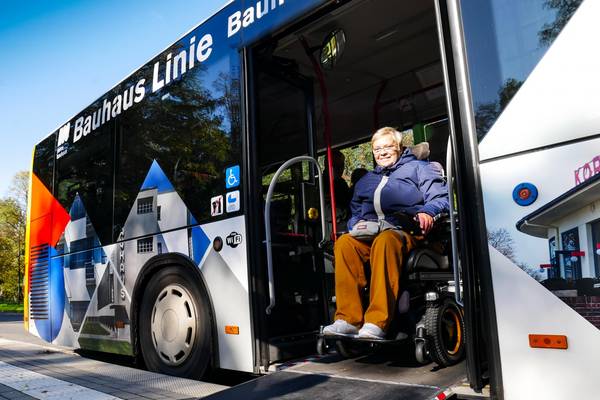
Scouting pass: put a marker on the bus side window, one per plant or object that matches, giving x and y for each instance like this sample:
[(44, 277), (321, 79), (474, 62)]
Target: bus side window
[(84, 177)]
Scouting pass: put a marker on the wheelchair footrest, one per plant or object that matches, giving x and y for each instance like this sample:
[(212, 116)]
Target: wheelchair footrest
[(355, 338)]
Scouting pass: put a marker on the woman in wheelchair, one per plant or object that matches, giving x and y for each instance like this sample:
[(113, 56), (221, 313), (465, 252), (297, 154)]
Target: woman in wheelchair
[(401, 183)]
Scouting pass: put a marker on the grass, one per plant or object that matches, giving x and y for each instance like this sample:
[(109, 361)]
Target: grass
[(94, 328), (106, 345), (11, 307)]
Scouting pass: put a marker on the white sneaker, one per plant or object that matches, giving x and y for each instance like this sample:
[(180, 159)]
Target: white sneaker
[(371, 331), (340, 327)]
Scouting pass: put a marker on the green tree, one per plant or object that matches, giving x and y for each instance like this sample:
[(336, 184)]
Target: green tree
[(487, 113), (13, 214), (564, 11), (501, 240)]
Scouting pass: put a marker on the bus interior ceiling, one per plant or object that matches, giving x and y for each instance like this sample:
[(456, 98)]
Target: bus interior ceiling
[(389, 74)]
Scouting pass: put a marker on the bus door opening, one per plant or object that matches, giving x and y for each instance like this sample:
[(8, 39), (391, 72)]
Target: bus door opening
[(284, 129), (384, 70)]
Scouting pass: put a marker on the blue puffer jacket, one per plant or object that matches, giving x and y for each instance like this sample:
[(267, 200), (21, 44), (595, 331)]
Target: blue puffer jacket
[(414, 186)]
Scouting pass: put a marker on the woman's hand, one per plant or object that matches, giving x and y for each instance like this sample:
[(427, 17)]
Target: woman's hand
[(425, 222)]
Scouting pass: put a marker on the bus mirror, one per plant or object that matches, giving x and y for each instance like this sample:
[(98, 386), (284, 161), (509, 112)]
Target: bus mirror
[(332, 48)]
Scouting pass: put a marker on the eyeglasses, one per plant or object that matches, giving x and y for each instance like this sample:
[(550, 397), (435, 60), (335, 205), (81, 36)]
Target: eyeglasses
[(379, 150)]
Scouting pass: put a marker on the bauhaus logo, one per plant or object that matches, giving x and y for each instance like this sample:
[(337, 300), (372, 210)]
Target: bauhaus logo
[(62, 145), (63, 134)]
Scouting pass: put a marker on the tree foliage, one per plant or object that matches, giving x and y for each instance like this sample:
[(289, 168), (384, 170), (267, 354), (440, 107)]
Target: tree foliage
[(487, 113), (501, 240), (564, 11), (13, 211)]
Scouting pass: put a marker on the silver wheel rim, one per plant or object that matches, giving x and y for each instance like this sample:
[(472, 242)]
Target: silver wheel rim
[(173, 324)]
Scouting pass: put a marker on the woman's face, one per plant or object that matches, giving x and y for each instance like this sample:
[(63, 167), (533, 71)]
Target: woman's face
[(386, 151)]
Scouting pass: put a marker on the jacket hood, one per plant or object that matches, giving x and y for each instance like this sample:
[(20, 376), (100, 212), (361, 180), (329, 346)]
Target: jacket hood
[(406, 156)]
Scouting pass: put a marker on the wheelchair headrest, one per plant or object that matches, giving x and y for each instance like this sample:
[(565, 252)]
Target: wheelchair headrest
[(421, 150)]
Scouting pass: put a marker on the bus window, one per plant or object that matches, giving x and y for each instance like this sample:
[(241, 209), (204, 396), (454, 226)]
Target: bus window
[(501, 58), (43, 162), (188, 133), (536, 123), (84, 176)]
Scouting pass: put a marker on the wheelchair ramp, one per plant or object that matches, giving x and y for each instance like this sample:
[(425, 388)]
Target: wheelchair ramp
[(382, 375), (295, 385)]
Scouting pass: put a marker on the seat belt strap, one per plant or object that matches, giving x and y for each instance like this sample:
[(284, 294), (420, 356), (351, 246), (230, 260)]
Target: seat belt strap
[(377, 198)]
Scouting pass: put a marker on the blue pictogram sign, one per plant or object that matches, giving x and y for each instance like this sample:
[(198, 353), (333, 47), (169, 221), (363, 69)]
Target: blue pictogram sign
[(232, 177)]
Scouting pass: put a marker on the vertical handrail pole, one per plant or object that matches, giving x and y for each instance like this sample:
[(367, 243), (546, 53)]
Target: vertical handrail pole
[(453, 240), (327, 131), (268, 219)]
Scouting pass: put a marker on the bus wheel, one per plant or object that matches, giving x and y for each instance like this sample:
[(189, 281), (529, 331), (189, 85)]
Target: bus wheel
[(175, 325), (444, 325)]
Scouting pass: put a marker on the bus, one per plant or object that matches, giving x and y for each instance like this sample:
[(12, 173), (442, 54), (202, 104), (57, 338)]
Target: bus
[(146, 229)]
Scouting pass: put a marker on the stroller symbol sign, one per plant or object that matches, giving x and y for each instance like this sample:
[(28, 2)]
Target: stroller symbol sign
[(232, 177)]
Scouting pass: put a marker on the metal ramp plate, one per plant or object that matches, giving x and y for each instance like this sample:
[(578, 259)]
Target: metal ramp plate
[(387, 374), (292, 385)]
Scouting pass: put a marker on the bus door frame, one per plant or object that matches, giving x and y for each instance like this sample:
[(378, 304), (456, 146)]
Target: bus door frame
[(259, 294), (482, 347)]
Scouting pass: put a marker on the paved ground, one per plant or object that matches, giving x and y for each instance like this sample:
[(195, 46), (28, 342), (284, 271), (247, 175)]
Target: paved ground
[(32, 369)]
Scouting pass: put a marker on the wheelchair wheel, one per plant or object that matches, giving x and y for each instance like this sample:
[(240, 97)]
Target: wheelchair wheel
[(321, 346), (421, 353), (444, 327)]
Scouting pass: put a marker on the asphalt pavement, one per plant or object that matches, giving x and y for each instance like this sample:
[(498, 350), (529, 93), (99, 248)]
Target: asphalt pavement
[(33, 369)]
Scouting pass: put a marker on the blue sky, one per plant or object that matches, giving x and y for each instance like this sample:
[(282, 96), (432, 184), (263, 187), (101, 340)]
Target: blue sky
[(56, 57)]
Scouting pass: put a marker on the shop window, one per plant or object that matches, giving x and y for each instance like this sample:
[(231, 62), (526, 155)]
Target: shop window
[(572, 265), (596, 245), (554, 271)]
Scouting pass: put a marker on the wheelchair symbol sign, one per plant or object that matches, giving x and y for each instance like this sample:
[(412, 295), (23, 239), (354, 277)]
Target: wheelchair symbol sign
[(232, 177)]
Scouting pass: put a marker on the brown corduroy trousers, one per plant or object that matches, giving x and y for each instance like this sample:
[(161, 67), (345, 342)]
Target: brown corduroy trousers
[(386, 255)]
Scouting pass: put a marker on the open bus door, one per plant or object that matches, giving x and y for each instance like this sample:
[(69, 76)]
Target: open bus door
[(530, 267), (291, 305), (482, 352), (281, 109)]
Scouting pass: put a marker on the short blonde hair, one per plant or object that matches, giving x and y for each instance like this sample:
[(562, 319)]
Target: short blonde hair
[(388, 131)]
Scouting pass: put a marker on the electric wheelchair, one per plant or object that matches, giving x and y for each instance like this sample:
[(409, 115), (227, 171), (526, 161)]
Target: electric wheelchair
[(427, 312)]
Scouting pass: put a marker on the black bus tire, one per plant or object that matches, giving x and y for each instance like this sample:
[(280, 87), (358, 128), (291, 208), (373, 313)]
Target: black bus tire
[(444, 326), (175, 324)]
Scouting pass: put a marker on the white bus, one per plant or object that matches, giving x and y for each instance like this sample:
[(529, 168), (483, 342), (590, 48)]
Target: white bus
[(146, 224)]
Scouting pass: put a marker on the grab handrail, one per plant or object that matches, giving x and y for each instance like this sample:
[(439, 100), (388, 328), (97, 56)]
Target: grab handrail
[(268, 219), (453, 240)]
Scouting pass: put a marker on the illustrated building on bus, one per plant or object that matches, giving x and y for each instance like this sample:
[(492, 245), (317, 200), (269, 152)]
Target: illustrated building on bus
[(157, 209), (573, 219), (90, 282), (82, 268)]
